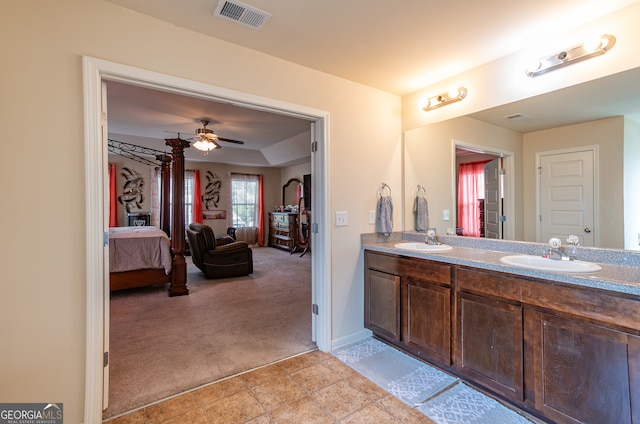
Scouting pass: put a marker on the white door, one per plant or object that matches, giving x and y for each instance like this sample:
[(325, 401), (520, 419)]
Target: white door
[(492, 199), (105, 226), (566, 196), (310, 226)]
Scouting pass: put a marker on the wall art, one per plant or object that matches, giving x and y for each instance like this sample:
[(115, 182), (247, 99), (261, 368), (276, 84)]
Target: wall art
[(132, 197), (211, 195)]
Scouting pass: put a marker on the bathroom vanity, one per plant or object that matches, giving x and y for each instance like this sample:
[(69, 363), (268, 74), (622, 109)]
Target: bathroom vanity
[(565, 348)]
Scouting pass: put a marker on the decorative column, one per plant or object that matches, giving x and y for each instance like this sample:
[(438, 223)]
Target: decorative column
[(165, 193), (178, 285)]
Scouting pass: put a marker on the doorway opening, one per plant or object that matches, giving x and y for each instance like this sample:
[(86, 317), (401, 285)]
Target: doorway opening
[(97, 71), (483, 195)]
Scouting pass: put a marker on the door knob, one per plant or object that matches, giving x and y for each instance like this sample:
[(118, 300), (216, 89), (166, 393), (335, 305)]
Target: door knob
[(587, 230)]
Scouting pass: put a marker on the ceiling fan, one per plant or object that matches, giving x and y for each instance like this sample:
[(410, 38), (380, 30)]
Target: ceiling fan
[(207, 140)]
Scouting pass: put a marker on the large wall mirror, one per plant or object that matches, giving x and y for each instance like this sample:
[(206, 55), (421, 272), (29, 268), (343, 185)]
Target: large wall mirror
[(290, 192), (595, 125)]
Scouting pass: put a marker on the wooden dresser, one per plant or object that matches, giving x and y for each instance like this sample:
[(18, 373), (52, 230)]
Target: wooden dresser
[(283, 230)]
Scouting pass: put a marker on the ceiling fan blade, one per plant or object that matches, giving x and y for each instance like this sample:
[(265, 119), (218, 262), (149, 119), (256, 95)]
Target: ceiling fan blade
[(228, 140)]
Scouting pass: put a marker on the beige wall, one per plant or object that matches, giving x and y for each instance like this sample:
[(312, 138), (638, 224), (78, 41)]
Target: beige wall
[(608, 135), (631, 179), (43, 286), (272, 187), (429, 161), (43, 289), (504, 81)]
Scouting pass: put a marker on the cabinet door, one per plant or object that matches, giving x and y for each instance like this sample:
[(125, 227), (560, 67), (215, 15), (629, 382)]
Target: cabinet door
[(426, 320), (382, 308), (584, 372), (490, 344)]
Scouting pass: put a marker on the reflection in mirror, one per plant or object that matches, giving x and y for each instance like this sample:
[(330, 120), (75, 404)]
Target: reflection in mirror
[(290, 192), (479, 193), (602, 116)]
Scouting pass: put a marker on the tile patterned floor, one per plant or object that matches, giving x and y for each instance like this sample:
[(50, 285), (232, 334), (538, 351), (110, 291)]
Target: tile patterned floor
[(312, 388), (367, 382), (440, 396)]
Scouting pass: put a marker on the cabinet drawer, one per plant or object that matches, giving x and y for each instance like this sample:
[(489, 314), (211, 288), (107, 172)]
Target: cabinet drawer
[(596, 305), (280, 219), (427, 270)]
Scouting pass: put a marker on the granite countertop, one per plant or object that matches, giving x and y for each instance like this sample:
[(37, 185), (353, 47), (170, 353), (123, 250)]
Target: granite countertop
[(619, 273)]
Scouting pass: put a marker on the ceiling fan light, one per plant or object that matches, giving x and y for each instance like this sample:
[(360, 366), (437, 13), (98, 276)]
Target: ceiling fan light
[(205, 145)]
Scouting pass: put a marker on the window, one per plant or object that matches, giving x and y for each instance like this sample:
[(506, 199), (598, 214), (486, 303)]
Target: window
[(244, 200), (189, 177)]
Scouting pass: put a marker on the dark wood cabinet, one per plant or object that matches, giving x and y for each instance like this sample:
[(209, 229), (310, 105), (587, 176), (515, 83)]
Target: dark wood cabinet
[(490, 344), (564, 353), (584, 372), (283, 228), (382, 295), (426, 313), (417, 304)]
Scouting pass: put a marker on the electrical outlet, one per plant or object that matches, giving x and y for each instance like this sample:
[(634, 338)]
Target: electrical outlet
[(446, 216), (372, 219), (341, 219)]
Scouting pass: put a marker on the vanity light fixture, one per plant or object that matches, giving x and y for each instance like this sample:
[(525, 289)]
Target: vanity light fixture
[(571, 55), (451, 96)]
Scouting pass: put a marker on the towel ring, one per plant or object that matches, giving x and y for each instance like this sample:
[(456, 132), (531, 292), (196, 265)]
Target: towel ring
[(381, 190), (421, 189)]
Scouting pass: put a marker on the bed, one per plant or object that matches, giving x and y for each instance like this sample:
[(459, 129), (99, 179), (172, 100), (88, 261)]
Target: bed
[(138, 256), (142, 256)]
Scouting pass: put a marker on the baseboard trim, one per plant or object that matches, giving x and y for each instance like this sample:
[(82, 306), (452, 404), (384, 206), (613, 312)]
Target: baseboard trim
[(351, 338)]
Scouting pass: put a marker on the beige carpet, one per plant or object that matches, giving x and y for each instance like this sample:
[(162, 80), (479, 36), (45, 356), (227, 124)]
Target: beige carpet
[(161, 345)]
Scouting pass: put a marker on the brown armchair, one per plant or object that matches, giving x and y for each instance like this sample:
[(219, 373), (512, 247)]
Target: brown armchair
[(218, 259)]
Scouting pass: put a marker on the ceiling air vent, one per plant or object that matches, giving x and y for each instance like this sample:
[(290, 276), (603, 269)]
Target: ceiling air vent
[(242, 13), (516, 117)]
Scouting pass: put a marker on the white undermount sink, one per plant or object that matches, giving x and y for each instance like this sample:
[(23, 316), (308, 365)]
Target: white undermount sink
[(423, 247), (540, 263)]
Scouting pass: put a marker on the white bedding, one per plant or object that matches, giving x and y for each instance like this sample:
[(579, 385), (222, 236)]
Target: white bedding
[(133, 248)]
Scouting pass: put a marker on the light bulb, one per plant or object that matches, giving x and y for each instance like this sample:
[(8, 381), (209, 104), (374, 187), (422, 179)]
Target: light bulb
[(594, 44)]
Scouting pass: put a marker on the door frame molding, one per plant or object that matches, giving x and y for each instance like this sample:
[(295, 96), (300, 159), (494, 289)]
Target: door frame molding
[(596, 187), (508, 161), (95, 71)]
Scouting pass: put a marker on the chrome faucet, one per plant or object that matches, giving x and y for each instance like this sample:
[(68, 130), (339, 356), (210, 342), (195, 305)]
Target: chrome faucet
[(557, 251), (431, 237)]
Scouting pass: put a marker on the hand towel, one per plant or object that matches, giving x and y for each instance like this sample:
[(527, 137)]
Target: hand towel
[(385, 215), (421, 212)]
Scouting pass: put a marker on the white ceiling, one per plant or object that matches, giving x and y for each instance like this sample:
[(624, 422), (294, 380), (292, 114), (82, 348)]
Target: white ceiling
[(398, 47)]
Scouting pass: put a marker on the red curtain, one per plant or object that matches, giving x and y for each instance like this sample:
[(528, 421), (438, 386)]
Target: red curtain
[(298, 194), (260, 210), (197, 198), (113, 204), (470, 189)]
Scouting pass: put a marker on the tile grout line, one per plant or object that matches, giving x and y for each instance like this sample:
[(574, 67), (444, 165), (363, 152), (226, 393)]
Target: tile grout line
[(439, 392)]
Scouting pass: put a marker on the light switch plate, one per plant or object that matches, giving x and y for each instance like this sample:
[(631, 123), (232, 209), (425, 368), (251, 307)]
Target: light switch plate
[(446, 216), (372, 219), (342, 219)]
